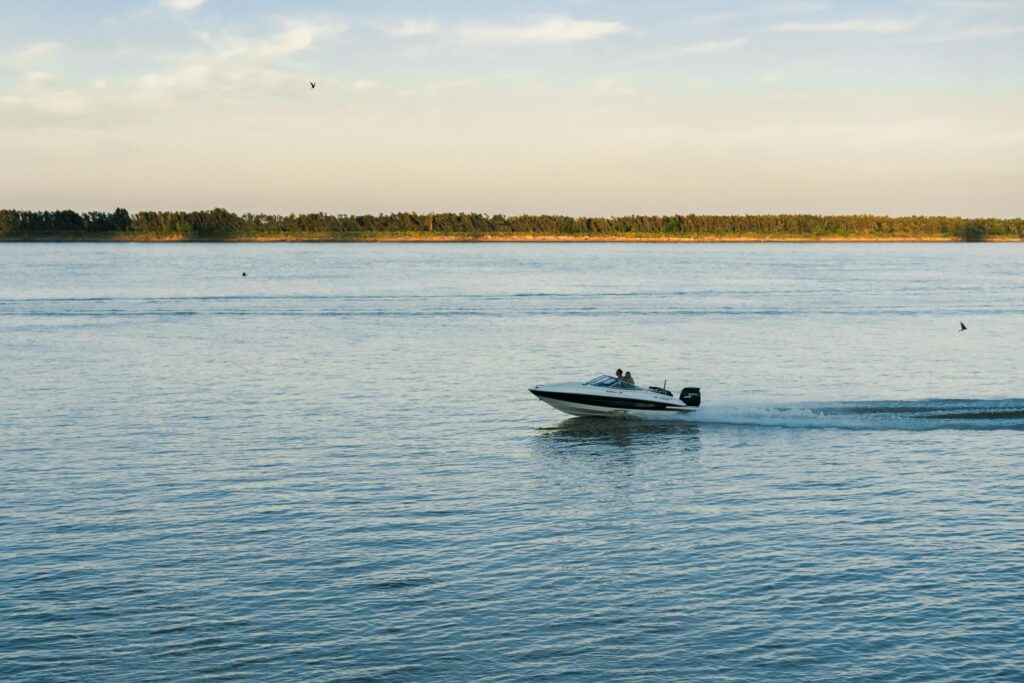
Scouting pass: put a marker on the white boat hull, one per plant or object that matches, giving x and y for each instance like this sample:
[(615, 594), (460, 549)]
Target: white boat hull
[(581, 410), (607, 397)]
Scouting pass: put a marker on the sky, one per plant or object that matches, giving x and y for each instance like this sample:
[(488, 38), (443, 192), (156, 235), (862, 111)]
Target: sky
[(579, 107)]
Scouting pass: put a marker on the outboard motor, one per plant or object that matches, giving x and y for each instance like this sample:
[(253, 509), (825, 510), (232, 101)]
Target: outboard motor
[(690, 396)]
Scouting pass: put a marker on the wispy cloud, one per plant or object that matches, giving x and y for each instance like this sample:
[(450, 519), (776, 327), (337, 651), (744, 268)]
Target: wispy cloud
[(973, 5), (182, 5), (979, 32), (192, 76), (37, 53), (40, 77), (406, 28), (40, 92), (798, 7), (701, 48), (294, 37), (551, 31), (239, 62), (711, 46), (851, 26), (63, 102), (764, 10)]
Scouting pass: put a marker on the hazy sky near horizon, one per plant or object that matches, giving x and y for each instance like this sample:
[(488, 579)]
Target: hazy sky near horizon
[(585, 107)]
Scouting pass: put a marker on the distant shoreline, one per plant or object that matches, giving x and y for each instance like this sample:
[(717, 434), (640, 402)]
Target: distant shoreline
[(518, 239), (220, 225), (573, 238)]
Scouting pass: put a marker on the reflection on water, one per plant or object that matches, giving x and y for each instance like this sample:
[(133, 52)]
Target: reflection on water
[(620, 440)]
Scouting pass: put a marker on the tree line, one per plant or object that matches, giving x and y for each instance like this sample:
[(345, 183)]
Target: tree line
[(221, 225)]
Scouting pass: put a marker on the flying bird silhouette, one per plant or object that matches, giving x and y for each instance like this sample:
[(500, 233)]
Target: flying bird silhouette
[(963, 328), (312, 84)]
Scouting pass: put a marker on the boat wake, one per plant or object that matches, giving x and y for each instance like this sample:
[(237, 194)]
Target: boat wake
[(920, 415)]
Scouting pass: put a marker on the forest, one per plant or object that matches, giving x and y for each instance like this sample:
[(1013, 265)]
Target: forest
[(220, 225)]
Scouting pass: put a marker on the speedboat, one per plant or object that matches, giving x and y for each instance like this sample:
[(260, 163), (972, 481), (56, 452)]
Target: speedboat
[(608, 396)]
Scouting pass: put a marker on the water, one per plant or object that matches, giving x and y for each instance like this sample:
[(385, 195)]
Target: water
[(331, 469)]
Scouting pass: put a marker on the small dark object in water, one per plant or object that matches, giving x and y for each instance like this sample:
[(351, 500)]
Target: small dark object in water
[(243, 273), (963, 328)]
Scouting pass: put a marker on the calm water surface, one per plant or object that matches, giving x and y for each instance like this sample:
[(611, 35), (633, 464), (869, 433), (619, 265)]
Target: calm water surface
[(331, 469)]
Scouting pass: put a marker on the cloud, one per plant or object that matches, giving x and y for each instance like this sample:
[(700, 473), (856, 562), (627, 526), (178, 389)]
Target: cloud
[(37, 53), (980, 32), (39, 93), (798, 7), (40, 77), (850, 26), (63, 102), (702, 48), (295, 37), (551, 31), (230, 63), (774, 9), (971, 4), (406, 28), (711, 46), (192, 76), (182, 5)]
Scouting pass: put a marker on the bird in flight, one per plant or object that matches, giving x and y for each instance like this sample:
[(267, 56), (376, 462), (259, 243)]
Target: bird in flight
[(963, 328), (312, 85)]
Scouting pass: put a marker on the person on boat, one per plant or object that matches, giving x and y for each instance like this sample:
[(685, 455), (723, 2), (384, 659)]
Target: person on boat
[(629, 377), (618, 374)]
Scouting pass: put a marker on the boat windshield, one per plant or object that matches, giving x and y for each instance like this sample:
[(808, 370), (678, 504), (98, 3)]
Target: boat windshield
[(611, 383)]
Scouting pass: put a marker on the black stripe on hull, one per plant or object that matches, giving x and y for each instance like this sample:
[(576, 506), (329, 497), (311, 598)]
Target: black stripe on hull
[(603, 401)]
